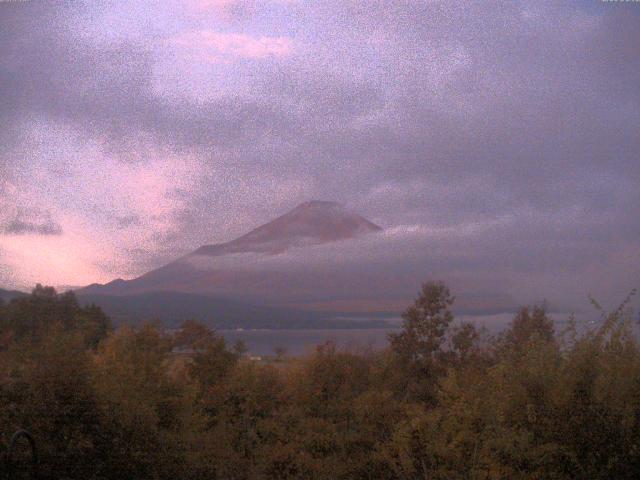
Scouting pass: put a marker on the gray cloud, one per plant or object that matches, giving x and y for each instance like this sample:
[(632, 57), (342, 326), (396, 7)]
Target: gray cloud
[(20, 227), (441, 114), (128, 221), (27, 221)]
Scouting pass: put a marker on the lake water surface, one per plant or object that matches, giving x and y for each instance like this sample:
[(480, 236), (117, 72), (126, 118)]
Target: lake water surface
[(301, 341), (298, 342)]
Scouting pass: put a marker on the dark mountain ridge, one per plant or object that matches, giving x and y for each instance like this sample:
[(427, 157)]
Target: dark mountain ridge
[(171, 308), (8, 295), (311, 223)]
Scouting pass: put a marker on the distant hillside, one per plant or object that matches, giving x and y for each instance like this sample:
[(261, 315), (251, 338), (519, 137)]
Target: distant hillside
[(173, 307), (7, 295)]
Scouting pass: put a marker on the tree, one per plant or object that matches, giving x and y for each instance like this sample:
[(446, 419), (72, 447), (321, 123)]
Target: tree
[(280, 352), (30, 317), (529, 325), (240, 348), (242, 413), (464, 343), (193, 334), (212, 364), (418, 347), (141, 408), (45, 388)]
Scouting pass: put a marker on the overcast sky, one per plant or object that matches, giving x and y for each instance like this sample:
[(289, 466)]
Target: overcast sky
[(498, 143)]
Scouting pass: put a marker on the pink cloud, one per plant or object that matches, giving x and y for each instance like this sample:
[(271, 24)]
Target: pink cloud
[(223, 47), (86, 190)]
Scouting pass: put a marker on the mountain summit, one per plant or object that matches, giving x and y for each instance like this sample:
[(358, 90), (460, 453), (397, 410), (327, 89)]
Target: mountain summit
[(310, 223)]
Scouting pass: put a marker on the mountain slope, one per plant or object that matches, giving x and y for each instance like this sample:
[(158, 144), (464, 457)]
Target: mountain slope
[(310, 223), (201, 272), (7, 295)]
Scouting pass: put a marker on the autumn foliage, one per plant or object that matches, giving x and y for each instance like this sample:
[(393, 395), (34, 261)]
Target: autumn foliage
[(444, 401)]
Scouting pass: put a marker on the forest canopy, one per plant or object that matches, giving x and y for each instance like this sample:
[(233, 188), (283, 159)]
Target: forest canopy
[(443, 401)]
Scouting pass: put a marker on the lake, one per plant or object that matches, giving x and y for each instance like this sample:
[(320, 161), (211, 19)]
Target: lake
[(301, 341)]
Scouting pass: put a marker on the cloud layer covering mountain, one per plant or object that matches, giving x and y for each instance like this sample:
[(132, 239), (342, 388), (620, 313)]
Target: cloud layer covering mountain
[(495, 143)]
